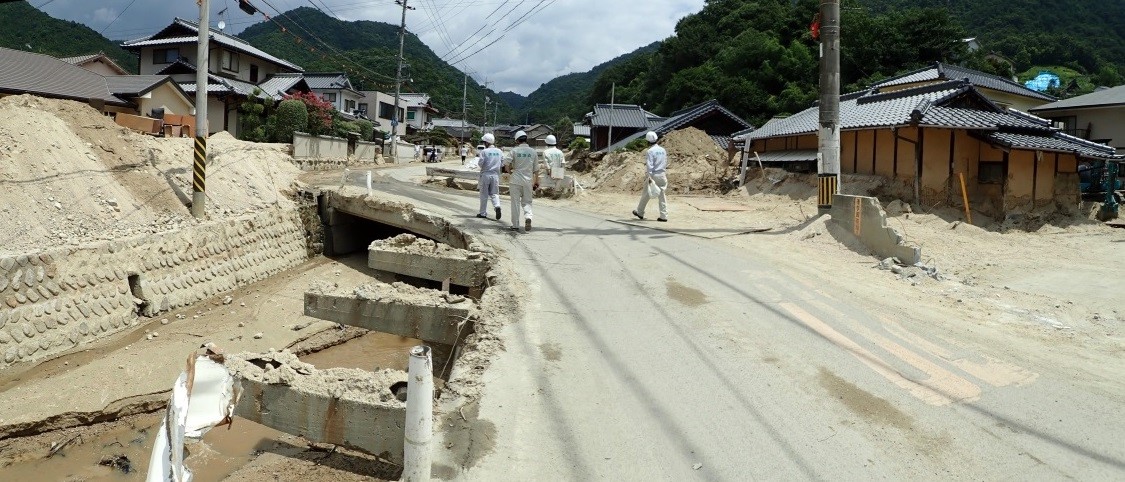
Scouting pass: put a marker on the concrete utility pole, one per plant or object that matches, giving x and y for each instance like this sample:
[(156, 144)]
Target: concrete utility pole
[(612, 94), (395, 121), (829, 137), (464, 107), (199, 167)]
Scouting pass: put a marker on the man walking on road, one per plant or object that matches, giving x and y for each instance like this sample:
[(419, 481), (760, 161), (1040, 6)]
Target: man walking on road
[(656, 161), (491, 159), (553, 157), (524, 181), (464, 153)]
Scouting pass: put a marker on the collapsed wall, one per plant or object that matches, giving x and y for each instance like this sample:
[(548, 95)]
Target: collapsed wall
[(57, 298)]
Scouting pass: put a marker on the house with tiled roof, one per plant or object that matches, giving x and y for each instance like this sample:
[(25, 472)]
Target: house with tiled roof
[(1002, 92), (235, 68), (97, 63), (336, 89), (45, 76), (1098, 116), (710, 117), (623, 120), (419, 111), (923, 138)]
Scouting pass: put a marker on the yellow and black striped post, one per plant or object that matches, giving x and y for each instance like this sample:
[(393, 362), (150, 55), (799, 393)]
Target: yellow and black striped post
[(199, 178), (827, 185)]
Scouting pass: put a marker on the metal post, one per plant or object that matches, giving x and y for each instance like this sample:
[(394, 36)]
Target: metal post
[(829, 135), (395, 121), (199, 166), (417, 456)]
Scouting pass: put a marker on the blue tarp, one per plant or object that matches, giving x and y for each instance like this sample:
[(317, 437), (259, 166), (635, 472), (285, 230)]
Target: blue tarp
[(1043, 81)]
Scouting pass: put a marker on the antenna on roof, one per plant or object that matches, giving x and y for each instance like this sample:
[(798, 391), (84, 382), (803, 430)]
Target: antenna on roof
[(222, 26)]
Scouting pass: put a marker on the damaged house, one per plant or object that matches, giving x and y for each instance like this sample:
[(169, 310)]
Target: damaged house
[(925, 138)]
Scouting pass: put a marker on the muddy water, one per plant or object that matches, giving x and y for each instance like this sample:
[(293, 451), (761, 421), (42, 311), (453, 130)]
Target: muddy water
[(368, 352), (222, 451)]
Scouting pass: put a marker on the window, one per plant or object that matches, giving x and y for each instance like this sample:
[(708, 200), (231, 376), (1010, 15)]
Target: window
[(386, 111), (230, 61), (349, 105), (410, 115), (329, 97), (363, 107), (991, 172), (253, 73), (165, 56)]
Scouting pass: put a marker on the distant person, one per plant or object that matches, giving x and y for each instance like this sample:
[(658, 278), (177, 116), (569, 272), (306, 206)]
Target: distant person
[(491, 159), (417, 151), (433, 154), (656, 165), (464, 153), (524, 181)]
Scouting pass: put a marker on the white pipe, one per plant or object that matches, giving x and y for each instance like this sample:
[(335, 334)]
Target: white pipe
[(368, 183), (417, 457)]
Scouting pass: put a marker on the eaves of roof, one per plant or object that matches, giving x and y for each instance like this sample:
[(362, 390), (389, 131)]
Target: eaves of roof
[(1111, 97), (166, 37)]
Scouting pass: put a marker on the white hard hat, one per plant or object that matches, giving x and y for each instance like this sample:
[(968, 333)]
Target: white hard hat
[(520, 135), (651, 137), (550, 140), (488, 138)]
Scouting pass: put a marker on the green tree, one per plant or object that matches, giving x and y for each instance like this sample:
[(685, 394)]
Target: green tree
[(564, 130)]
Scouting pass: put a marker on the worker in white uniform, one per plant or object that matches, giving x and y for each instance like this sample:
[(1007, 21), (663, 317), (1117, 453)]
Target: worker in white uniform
[(524, 181), (656, 165), (464, 153), (554, 159), (474, 162), (491, 160)]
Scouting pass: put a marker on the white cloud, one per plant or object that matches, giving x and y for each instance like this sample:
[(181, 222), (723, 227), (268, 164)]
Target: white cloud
[(565, 36)]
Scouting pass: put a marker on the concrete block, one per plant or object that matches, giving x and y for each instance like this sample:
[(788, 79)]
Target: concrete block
[(865, 219), (411, 256), (429, 320), (353, 408)]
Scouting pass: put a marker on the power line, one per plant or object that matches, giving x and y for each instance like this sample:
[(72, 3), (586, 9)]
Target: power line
[(115, 18)]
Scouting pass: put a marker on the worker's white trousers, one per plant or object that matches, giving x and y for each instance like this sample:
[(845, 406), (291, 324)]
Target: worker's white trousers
[(662, 183), (521, 195), (489, 185)]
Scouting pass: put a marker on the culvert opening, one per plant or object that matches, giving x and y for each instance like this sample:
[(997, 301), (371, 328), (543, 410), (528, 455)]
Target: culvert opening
[(135, 289), (351, 234)]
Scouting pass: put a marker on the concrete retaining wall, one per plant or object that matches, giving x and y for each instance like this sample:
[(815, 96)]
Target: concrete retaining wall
[(864, 217), (319, 147), (56, 299)]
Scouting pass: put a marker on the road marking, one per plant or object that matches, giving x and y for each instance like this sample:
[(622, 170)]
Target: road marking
[(868, 358), (993, 371)]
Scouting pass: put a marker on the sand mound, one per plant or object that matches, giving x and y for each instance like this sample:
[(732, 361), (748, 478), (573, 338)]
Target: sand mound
[(695, 164), (69, 175)]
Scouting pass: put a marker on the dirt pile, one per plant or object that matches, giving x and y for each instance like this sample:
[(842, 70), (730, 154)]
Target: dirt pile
[(69, 176), (695, 165)]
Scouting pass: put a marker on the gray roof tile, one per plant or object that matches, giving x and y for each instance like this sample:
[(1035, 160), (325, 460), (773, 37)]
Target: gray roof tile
[(1101, 98), (134, 84), (1057, 141), (619, 115), (26, 72), (943, 72), (683, 117)]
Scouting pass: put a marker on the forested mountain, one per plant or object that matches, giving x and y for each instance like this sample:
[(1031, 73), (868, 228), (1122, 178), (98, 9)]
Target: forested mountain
[(758, 58), (22, 25), (569, 95), (367, 51)]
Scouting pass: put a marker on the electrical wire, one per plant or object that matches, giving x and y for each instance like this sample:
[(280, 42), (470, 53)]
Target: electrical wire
[(102, 32)]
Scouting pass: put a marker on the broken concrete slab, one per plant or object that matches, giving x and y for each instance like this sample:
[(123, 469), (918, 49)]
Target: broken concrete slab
[(342, 406), (409, 255), (398, 309)]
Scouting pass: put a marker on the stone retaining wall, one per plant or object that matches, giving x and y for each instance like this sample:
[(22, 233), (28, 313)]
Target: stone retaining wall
[(56, 299)]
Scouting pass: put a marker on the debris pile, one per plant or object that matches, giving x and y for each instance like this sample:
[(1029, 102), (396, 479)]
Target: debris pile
[(695, 165)]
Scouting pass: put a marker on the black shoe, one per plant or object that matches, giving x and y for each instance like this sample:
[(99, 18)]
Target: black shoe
[(527, 225), (497, 214), (638, 215), (514, 228), (663, 220), (482, 216)]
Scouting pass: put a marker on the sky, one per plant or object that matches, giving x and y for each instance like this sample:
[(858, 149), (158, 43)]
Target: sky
[(535, 40)]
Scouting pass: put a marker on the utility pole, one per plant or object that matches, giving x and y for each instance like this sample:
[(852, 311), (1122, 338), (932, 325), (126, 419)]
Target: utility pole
[(395, 121), (464, 107), (828, 176), (199, 167), (612, 94)]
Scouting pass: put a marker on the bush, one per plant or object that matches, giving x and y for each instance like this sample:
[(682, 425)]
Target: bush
[(366, 129), (292, 115), (579, 143), (341, 128), (318, 113)]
